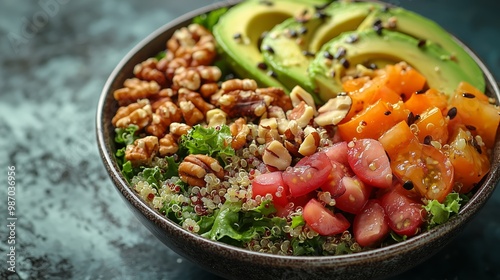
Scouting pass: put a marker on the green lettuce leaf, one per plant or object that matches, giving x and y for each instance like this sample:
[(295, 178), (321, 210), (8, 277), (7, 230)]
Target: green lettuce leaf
[(208, 20), (234, 226), (208, 141), (439, 213)]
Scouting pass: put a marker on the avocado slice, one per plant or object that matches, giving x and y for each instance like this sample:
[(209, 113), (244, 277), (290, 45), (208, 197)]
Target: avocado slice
[(424, 29), (238, 34), (383, 46), (290, 46)]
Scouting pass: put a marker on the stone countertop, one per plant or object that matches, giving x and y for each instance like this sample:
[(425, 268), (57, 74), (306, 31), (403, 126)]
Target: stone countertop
[(55, 57)]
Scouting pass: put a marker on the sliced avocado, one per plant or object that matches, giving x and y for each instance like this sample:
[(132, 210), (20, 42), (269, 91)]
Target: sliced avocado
[(239, 31), (290, 46), (424, 29), (365, 47)]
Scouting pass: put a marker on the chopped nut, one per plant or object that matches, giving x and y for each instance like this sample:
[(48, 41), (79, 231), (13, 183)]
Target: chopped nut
[(310, 144), (293, 138), (278, 113), (138, 113), (298, 94), (193, 169), (142, 151), (193, 106), (168, 145), (333, 111), (216, 117), (134, 90), (239, 131), (192, 78), (302, 113), (276, 155), (268, 130)]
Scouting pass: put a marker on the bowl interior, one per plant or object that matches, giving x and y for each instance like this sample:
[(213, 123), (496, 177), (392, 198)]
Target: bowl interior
[(157, 223)]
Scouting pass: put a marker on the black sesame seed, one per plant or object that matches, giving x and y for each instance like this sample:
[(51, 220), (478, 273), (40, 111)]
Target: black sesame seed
[(372, 66), (427, 139), (308, 53), (452, 113), (411, 118), (303, 30), (321, 15), (421, 43), (327, 55), (470, 127), (352, 39), (341, 51), (237, 36), (386, 8), (377, 22), (269, 49), (272, 74), (476, 146), (293, 33), (262, 66), (408, 185), (378, 29), (345, 62), (387, 113), (468, 95)]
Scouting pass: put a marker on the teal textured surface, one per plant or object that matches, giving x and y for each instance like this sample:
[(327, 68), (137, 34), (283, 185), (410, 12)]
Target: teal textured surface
[(71, 224)]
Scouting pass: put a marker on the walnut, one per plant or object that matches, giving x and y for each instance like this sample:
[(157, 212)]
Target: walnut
[(164, 115), (278, 97), (238, 84), (147, 70), (193, 106), (209, 89), (243, 103), (193, 43), (168, 145), (193, 169), (142, 151), (179, 129), (169, 64), (216, 117), (276, 155), (302, 113), (192, 78), (239, 131), (136, 89), (138, 113)]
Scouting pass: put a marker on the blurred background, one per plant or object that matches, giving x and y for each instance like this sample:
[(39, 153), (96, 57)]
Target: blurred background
[(55, 56)]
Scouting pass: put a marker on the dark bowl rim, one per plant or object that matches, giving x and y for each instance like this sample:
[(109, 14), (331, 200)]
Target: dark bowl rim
[(482, 194)]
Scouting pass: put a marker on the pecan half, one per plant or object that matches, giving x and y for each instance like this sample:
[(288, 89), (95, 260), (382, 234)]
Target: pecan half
[(142, 151), (193, 169)]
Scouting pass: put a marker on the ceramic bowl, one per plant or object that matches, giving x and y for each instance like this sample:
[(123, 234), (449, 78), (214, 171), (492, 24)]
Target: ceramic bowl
[(236, 263)]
